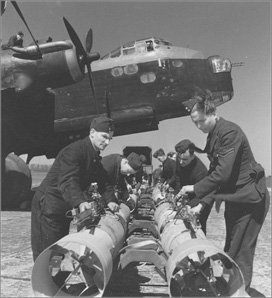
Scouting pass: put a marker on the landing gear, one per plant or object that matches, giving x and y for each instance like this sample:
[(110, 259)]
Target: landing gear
[(16, 184)]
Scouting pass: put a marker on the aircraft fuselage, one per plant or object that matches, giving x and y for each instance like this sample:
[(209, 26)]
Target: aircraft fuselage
[(141, 86), (137, 85)]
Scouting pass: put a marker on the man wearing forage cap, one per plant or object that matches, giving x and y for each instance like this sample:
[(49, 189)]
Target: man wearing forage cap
[(136, 180), (66, 186), (119, 168), (168, 165), (234, 177), (189, 170)]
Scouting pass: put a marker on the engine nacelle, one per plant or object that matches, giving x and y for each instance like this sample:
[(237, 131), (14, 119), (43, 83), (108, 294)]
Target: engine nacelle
[(58, 66)]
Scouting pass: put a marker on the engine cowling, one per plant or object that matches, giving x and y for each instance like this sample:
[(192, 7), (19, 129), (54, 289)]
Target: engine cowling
[(58, 66)]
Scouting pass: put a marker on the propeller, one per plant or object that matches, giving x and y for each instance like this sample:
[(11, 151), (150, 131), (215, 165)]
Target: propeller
[(84, 57), (88, 46), (89, 41), (23, 19)]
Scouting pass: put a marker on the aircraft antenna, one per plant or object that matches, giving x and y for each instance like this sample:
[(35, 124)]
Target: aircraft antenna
[(107, 104), (23, 19)]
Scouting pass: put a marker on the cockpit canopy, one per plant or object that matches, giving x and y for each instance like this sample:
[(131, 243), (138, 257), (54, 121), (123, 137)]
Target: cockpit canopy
[(138, 46)]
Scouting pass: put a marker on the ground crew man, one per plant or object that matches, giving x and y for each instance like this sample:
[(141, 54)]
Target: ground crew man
[(235, 177), (189, 170), (119, 168), (168, 165), (66, 184)]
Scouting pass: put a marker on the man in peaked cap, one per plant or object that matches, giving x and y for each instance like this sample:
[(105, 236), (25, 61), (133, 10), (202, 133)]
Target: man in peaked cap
[(168, 165), (66, 185), (189, 169), (119, 169)]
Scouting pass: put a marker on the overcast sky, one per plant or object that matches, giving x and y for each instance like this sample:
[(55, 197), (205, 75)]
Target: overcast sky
[(240, 31)]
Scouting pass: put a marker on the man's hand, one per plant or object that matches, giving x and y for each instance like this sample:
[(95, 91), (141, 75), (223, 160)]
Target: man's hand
[(113, 206), (194, 210), (84, 206), (186, 189), (129, 188), (134, 192), (132, 201), (166, 186)]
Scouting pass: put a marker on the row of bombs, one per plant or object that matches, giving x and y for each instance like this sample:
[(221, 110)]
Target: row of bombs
[(81, 263)]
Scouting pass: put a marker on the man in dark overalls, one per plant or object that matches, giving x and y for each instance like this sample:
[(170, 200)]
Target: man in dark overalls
[(189, 170), (119, 169), (168, 165), (66, 186), (235, 177)]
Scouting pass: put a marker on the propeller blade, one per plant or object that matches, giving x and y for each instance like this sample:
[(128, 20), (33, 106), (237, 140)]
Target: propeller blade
[(89, 41), (75, 39), (81, 52), (23, 19)]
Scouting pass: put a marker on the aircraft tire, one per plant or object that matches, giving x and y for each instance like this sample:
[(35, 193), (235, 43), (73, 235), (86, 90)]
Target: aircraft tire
[(16, 184)]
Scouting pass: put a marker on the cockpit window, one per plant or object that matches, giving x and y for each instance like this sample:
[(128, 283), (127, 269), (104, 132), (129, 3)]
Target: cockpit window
[(149, 45), (128, 51), (165, 43), (105, 57), (142, 45), (115, 53), (129, 48), (129, 45)]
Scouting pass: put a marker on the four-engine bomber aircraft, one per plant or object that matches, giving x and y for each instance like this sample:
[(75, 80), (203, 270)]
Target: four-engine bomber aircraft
[(48, 101)]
